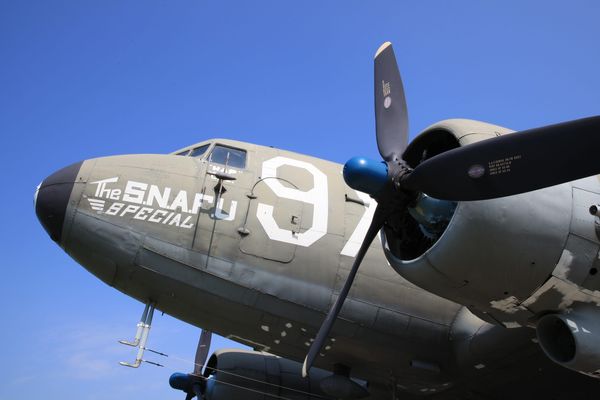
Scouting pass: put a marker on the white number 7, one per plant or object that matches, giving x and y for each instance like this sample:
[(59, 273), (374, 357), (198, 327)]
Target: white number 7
[(357, 237)]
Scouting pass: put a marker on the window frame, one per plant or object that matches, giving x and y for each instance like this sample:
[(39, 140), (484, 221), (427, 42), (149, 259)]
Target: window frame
[(208, 150), (245, 151), (183, 153)]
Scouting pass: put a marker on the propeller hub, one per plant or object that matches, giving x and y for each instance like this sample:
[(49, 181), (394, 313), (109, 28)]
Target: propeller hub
[(366, 175), (179, 381)]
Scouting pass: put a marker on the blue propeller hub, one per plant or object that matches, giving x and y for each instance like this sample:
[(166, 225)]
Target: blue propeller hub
[(180, 381), (366, 175)]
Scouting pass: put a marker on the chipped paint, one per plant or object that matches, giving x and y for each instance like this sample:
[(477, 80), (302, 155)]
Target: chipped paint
[(512, 324), (563, 267), (480, 366), (288, 325), (265, 328), (573, 293), (570, 293), (510, 305)]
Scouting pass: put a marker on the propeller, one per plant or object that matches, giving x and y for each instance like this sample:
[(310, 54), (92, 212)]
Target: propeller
[(498, 167), (202, 351), (193, 383), (391, 115), (511, 164)]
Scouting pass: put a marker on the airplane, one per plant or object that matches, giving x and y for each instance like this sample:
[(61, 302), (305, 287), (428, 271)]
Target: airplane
[(478, 250)]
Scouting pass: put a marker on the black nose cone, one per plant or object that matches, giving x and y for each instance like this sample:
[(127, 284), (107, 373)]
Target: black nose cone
[(52, 198)]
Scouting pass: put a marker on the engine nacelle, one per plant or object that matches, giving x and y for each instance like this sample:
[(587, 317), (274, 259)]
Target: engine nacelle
[(251, 375), (572, 340), (494, 255)]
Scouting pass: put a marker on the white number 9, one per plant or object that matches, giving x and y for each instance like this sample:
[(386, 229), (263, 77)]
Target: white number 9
[(317, 196)]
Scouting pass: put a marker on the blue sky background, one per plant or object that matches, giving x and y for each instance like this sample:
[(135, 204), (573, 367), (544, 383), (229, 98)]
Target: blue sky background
[(81, 79)]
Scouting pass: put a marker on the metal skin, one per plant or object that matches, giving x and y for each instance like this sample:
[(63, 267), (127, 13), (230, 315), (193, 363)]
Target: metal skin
[(528, 254), (267, 373), (571, 339), (218, 269)]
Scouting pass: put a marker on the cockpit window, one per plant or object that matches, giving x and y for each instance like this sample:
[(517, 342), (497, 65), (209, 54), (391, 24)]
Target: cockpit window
[(229, 156), (199, 151), (183, 153)]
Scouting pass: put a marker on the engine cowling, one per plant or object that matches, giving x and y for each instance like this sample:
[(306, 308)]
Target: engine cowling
[(571, 340), (251, 375), (490, 255)]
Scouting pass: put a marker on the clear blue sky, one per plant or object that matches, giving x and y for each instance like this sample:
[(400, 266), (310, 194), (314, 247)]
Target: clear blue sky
[(81, 79)]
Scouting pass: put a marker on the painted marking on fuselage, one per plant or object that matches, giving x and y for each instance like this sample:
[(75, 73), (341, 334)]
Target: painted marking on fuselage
[(167, 206), (353, 244), (317, 197), (97, 205), (148, 202)]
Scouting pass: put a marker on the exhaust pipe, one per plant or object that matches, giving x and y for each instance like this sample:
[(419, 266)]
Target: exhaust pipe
[(572, 340)]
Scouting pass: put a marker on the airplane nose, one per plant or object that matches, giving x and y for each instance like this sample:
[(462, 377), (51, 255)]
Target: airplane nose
[(52, 197)]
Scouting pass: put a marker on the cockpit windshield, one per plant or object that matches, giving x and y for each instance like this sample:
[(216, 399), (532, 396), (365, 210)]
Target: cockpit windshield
[(229, 156), (199, 151), (220, 154)]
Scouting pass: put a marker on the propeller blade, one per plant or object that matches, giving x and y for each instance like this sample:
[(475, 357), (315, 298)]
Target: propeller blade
[(391, 117), (197, 389), (379, 218), (511, 164), (202, 351)]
